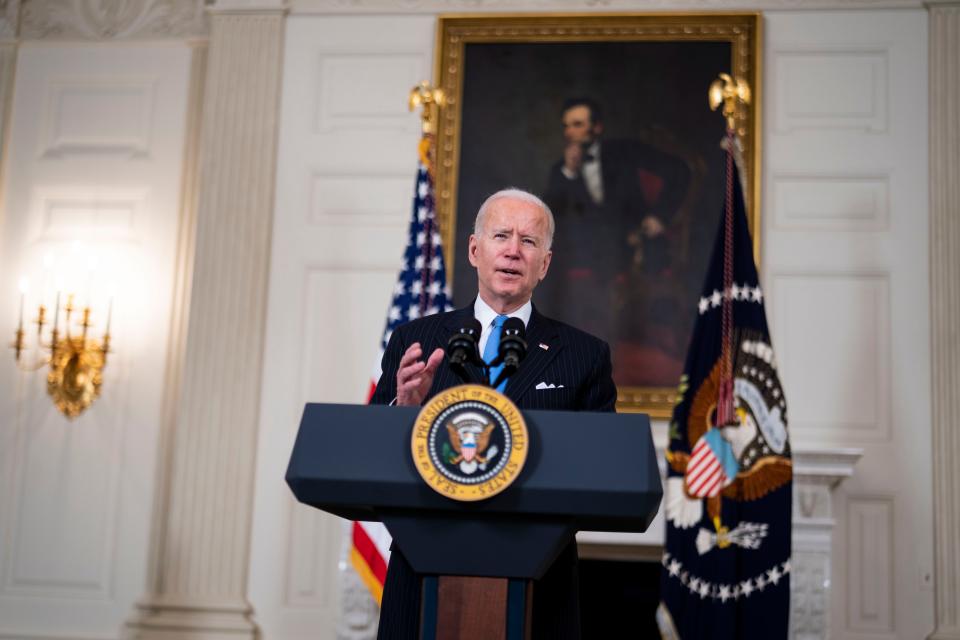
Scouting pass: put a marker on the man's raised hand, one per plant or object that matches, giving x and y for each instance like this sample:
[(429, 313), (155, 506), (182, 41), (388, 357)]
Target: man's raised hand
[(414, 376)]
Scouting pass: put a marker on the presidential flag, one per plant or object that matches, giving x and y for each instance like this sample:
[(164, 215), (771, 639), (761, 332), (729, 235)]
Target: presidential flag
[(421, 290), (726, 564)]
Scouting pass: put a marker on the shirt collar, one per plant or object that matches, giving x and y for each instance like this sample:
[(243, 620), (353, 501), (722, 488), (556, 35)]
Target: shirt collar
[(594, 150), (486, 315)]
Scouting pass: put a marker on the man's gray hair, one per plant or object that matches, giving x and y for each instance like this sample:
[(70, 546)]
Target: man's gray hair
[(515, 194)]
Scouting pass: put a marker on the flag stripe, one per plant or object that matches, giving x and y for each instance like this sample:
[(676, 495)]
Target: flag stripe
[(365, 546), (706, 479), (712, 488), (698, 452), (372, 583), (702, 478), (693, 475)]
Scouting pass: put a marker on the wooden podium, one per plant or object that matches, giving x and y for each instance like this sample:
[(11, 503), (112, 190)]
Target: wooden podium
[(584, 471)]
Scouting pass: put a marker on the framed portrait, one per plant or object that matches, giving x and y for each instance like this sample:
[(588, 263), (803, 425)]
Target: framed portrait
[(606, 118)]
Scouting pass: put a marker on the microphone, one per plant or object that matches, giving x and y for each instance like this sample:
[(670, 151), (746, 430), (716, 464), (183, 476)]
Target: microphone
[(462, 349), (513, 348)]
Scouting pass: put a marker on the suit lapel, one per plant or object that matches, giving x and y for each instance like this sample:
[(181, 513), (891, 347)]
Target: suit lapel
[(540, 331)]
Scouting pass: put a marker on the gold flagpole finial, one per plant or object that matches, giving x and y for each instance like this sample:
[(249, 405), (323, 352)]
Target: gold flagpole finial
[(431, 99), (733, 94)]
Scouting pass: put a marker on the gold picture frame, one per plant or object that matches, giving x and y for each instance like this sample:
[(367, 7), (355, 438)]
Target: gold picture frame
[(512, 46)]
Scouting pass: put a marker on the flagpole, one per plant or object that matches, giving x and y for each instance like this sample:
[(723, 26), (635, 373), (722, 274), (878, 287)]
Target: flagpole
[(734, 95), (430, 99)]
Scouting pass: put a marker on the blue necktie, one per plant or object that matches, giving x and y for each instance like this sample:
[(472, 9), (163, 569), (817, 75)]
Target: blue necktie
[(492, 349)]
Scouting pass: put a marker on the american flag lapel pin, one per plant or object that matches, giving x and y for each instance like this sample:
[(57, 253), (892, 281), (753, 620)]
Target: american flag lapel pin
[(544, 347)]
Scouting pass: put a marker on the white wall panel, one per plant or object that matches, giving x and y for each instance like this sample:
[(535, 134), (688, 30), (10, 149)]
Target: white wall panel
[(92, 178), (870, 539), (366, 90), (100, 113), (65, 524), (847, 279), (830, 203), (849, 347), (107, 213), (830, 88), (349, 199)]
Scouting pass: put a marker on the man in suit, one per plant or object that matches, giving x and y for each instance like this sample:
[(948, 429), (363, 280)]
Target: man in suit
[(614, 200), (511, 251)]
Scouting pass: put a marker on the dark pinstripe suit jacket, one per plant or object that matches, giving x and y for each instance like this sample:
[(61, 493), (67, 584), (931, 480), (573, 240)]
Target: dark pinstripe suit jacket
[(557, 354)]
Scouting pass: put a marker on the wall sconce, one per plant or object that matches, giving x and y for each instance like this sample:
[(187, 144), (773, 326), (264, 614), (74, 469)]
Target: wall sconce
[(75, 360)]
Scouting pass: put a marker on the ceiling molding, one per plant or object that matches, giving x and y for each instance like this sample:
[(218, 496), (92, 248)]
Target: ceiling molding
[(585, 6), (111, 20)]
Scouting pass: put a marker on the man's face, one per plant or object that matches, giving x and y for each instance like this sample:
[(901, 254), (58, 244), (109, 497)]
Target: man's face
[(510, 253), (578, 126)]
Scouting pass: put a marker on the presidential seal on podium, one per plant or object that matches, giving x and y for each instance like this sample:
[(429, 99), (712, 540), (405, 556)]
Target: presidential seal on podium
[(469, 442)]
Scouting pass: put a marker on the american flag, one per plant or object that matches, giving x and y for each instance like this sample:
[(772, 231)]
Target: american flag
[(421, 290)]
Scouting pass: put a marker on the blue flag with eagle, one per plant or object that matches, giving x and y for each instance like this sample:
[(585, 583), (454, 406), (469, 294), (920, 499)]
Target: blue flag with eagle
[(726, 563)]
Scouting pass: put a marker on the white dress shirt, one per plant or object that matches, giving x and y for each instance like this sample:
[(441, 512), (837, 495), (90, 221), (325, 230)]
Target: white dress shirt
[(486, 315), (590, 169)]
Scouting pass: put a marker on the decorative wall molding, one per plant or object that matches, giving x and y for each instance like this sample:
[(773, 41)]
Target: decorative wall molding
[(8, 63), (109, 19), (346, 199), (95, 215), (30, 635), (9, 17), (358, 91), (944, 308), (511, 6), (854, 89), (65, 510), (830, 202), (817, 472), (199, 588), (180, 311), (309, 564), (97, 115), (835, 406), (870, 590)]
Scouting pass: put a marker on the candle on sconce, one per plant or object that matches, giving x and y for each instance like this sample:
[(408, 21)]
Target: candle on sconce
[(24, 285), (56, 314)]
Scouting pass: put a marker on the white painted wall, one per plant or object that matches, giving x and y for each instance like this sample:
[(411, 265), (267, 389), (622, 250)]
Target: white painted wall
[(95, 156), (845, 237)]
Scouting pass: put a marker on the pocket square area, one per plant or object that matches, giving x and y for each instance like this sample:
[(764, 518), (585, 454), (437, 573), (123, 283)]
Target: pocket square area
[(544, 385)]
